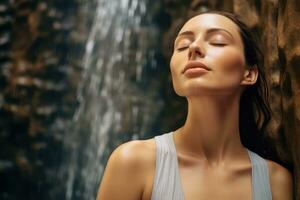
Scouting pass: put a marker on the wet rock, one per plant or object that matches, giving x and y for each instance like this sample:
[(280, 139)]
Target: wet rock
[(35, 90)]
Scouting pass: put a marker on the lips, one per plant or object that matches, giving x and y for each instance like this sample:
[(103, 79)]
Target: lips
[(195, 64)]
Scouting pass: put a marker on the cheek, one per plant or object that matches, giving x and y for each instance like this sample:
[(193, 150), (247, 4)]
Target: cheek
[(177, 63), (229, 61)]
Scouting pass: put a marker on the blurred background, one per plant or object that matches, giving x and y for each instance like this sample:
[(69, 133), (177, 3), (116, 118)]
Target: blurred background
[(80, 77)]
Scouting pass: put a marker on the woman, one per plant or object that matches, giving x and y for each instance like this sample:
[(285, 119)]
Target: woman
[(216, 66)]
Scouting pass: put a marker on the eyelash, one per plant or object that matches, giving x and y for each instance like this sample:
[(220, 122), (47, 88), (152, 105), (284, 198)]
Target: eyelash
[(218, 44), (214, 44), (182, 48)]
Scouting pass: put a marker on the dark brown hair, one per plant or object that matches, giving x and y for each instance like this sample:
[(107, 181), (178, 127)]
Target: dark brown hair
[(255, 112)]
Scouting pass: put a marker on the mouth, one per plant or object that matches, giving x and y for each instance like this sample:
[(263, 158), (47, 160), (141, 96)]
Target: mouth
[(195, 64)]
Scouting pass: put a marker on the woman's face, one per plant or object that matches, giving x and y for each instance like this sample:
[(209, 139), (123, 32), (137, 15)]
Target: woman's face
[(214, 41)]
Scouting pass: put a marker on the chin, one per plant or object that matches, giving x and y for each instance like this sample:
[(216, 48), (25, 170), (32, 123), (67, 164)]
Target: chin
[(196, 91)]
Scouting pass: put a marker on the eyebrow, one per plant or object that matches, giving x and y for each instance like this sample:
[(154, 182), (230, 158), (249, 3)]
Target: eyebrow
[(211, 30)]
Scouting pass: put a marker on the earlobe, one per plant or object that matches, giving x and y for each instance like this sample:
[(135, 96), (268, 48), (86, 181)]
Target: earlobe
[(250, 76)]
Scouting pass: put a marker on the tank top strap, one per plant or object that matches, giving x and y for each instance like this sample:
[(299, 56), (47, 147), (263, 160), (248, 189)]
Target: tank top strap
[(166, 183), (261, 189)]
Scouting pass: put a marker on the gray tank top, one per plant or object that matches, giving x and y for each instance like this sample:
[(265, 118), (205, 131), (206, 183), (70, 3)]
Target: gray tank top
[(167, 183)]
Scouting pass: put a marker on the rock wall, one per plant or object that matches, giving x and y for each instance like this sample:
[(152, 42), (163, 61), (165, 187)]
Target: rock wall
[(289, 60), (41, 44)]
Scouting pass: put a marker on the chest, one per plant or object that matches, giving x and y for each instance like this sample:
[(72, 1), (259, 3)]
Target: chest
[(198, 183), (201, 183)]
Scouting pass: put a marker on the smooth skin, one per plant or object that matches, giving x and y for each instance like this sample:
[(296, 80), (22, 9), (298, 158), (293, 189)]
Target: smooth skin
[(213, 164)]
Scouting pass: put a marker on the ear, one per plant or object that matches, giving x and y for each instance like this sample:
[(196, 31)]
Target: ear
[(250, 76)]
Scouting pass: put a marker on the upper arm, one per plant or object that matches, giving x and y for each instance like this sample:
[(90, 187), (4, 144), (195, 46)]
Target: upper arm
[(281, 182), (123, 175)]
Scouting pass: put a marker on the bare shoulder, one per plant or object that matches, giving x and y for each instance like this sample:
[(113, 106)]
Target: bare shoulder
[(135, 153), (281, 181), (129, 162)]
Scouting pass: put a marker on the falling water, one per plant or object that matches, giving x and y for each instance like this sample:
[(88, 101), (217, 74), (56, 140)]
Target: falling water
[(113, 106)]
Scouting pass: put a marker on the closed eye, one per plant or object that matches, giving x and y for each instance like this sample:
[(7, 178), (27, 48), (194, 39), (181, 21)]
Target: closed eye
[(182, 48), (218, 44)]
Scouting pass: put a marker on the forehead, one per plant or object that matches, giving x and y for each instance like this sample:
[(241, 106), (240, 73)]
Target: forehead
[(210, 20)]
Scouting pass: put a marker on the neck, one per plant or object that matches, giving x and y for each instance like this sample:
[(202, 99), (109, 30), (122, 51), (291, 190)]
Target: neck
[(211, 130)]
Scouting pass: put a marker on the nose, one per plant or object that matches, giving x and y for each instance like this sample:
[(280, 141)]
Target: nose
[(195, 51)]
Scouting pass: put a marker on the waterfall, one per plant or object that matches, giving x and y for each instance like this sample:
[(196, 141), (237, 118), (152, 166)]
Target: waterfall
[(114, 103)]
